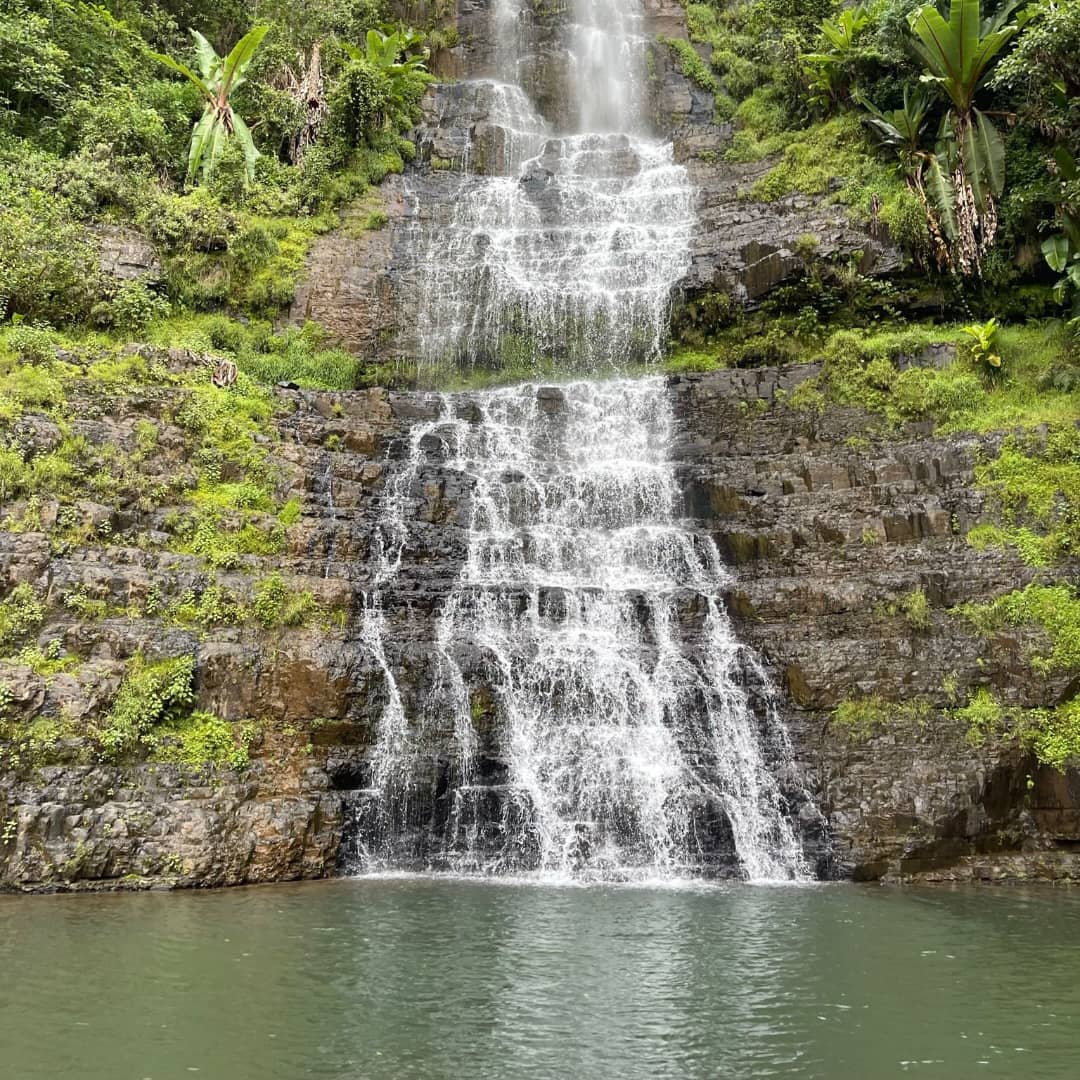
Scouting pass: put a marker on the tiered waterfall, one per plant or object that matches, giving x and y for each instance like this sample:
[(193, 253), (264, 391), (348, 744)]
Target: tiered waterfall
[(585, 710)]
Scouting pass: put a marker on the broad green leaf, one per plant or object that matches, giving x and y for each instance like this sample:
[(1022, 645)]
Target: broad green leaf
[(1066, 163), (235, 63), (209, 61), (247, 144), (182, 69), (943, 197), (972, 154), (964, 23), (939, 48), (992, 149), (200, 135), (1056, 251)]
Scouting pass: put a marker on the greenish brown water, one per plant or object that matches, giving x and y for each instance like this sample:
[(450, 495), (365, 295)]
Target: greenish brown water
[(395, 978)]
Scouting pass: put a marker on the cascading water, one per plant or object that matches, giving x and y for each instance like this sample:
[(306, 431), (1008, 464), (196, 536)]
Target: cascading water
[(569, 245), (587, 611), (585, 709)]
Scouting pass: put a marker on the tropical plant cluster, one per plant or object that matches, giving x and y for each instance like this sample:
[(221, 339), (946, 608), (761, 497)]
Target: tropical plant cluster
[(227, 140), (972, 105)]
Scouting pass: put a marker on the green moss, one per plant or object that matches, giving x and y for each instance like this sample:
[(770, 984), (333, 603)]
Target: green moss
[(1054, 609), (860, 718), (1036, 482)]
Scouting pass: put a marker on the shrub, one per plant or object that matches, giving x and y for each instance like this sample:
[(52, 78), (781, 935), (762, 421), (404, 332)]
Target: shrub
[(279, 604), (20, 614), (151, 694), (357, 102), (132, 308), (203, 739), (48, 264)]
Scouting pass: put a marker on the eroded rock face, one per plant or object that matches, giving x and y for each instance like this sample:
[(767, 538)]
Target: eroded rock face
[(829, 524), (127, 254), (825, 520)]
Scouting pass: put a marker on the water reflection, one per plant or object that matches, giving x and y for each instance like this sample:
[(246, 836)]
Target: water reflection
[(449, 979)]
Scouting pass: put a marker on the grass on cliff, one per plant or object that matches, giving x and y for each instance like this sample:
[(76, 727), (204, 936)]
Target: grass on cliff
[(872, 368), (1052, 613)]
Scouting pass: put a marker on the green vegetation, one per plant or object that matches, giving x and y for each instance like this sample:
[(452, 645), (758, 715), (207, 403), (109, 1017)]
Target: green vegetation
[(20, 614), (1036, 481), (152, 694), (861, 718), (935, 127), (153, 714), (914, 607), (202, 739), (110, 114), (1052, 735), (1054, 610), (218, 79), (1051, 614)]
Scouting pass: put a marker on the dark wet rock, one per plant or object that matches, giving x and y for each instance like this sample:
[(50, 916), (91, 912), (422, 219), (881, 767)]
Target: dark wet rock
[(824, 522)]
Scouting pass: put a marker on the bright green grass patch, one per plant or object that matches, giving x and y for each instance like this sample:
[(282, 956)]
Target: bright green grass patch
[(1053, 735), (1054, 609), (860, 718), (303, 355), (203, 739), (830, 159)]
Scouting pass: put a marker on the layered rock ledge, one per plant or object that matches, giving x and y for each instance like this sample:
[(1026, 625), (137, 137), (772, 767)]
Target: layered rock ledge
[(827, 520)]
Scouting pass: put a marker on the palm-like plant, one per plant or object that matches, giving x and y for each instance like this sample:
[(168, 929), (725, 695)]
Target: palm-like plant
[(958, 53), (1062, 248), (830, 71), (218, 79), (382, 51)]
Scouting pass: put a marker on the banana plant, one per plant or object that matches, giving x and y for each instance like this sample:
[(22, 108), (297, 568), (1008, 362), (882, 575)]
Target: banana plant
[(382, 49), (901, 131), (218, 79), (969, 175)]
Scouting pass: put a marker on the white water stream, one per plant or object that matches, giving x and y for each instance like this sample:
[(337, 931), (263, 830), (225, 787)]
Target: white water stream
[(569, 252), (587, 711)]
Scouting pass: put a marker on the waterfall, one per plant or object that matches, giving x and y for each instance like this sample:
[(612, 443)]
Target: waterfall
[(584, 708), (565, 246), (586, 608)]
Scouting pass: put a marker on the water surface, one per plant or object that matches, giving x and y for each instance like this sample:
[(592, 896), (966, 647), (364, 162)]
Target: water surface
[(393, 978)]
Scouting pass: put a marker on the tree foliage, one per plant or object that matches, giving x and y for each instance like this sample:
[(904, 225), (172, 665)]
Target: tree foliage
[(217, 80)]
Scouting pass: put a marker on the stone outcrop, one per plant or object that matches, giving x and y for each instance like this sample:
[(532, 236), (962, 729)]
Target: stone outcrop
[(127, 254), (826, 519), (830, 522)]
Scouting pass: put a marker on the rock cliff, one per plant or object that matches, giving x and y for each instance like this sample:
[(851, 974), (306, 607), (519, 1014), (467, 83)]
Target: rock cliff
[(827, 521)]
